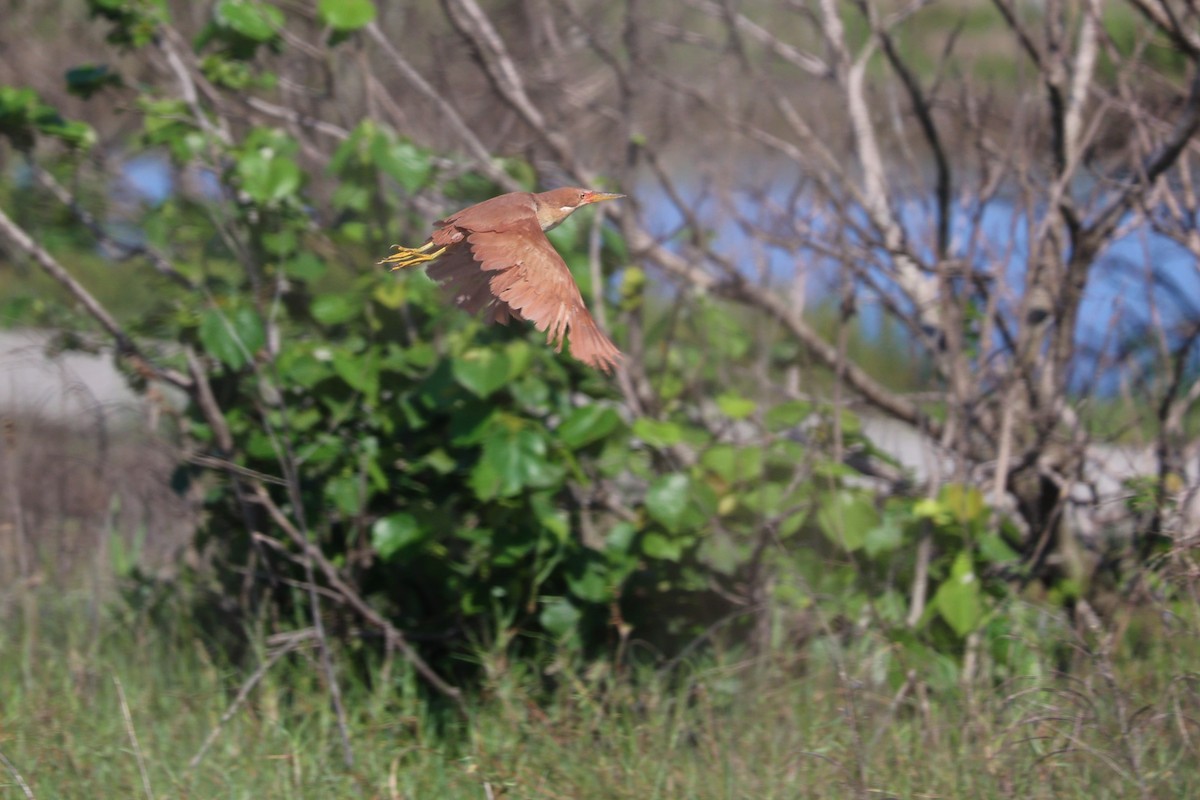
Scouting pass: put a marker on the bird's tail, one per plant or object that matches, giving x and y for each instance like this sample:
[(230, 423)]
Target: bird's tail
[(591, 346)]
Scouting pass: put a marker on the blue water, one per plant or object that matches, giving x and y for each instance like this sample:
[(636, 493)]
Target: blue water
[(1142, 283)]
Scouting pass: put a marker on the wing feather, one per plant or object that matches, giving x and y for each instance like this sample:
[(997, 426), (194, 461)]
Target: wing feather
[(518, 273)]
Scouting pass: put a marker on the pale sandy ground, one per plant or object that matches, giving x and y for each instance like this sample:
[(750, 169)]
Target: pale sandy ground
[(69, 386)]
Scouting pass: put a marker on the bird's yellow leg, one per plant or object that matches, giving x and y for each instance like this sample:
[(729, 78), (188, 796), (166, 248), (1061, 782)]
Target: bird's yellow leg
[(411, 256)]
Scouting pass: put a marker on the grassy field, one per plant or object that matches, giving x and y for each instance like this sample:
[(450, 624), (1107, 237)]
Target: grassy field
[(104, 705)]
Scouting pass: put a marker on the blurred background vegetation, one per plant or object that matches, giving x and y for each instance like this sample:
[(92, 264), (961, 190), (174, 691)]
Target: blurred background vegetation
[(822, 535)]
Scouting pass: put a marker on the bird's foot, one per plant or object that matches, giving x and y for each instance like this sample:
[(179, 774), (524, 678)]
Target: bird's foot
[(411, 256)]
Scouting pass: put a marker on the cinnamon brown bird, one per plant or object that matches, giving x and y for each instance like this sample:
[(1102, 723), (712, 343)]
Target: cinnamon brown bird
[(495, 260)]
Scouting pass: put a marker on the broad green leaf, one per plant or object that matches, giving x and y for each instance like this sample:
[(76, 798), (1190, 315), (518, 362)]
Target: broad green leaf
[(23, 115), (657, 545), (84, 81), (734, 406), (884, 538), (734, 464), (846, 517), (767, 498), (334, 309), (232, 338), (620, 537), (787, 415), (345, 492), (395, 533), (359, 370), (551, 516), (410, 166), (590, 582), (587, 424), (301, 369), (657, 433), (482, 371), (722, 553), (558, 616), (520, 356), (957, 600), (933, 510), (667, 499), (964, 502), (254, 20), (268, 176), (346, 15), (994, 550), (512, 460), (305, 266)]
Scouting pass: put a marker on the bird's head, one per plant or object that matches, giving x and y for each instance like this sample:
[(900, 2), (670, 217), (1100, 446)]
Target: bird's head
[(557, 204)]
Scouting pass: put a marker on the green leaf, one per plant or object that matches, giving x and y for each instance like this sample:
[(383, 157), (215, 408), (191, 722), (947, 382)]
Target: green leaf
[(512, 460), (787, 415), (481, 371), (620, 537), (734, 464), (957, 599), (590, 582), (268, 176), (407, 164), (334, 309), (845, 517), (587, 424), (558, 616), (359, 371), (256, 21), (551, 516), (84, 81), (345, 493), (667, 499), (346, 15), (232, 338), (964, 502), (995, 550), (396, 533), (301, 369), (657, 545), (884, 538), (23, 116), (305, 266), (657, 433), (734, 406)]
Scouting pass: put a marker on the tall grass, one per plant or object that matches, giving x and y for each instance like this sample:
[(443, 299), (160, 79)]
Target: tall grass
[(1090, 718)]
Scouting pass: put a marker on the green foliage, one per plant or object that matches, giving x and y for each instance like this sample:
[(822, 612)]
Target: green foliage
[(24, 117), (346, 15), (89, 79), (468, 478), (133, 23)]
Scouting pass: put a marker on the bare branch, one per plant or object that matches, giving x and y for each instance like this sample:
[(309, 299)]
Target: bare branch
[(126, 347), (395, 637), (475, 147)]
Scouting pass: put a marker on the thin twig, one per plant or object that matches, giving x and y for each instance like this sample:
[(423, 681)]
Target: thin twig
[(16, 776), (125, 345), (243, 693), (355, 600), (137, 749)]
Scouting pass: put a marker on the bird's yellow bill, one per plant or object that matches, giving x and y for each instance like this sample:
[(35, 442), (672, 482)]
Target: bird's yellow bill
[(596, 197), (411, 256)]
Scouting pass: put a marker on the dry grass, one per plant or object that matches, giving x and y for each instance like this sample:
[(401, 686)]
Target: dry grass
[(77, 502), (820, 724)]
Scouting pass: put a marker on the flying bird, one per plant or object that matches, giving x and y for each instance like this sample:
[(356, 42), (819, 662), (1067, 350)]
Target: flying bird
[(494, 260)]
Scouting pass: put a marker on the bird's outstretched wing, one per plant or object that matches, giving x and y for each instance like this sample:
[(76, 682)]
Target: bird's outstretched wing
[(525, 277)]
